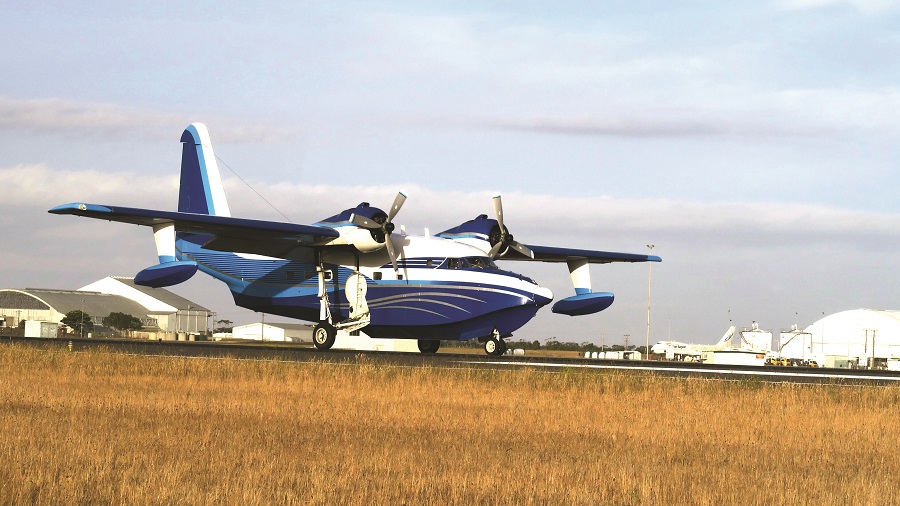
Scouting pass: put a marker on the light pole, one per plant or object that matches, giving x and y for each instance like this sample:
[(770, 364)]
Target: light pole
[(649, 293)]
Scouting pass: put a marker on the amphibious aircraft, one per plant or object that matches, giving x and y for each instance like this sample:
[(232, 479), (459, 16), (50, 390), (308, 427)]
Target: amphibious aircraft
[(354, 270)]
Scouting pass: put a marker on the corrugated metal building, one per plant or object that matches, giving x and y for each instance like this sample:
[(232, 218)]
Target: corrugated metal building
[(39, 304), (155, 307), (172, 312)]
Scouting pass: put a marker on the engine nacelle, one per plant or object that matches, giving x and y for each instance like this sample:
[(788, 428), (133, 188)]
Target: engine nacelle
[(363, 240), (482, 233)]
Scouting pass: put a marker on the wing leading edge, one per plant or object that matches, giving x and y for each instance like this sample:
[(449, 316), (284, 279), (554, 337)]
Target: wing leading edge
[(553, 254)]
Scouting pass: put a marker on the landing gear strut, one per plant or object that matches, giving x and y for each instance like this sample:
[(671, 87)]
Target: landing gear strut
[(323, 336)]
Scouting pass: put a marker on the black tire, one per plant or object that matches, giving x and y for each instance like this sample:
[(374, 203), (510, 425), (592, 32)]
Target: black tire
[(503, 347), (493, 346), (429, 346), (323, 336)]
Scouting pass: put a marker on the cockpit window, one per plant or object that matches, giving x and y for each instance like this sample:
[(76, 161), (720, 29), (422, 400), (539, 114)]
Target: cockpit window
[(484, 263)]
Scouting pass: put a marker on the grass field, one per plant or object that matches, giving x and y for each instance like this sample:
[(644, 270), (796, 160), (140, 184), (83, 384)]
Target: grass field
[(106, 428)]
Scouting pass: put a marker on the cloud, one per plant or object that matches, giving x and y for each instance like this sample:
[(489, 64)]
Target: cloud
[(789, 112), (28, 185), (568, 221), (638, 123), (863, 6), (69, 118)]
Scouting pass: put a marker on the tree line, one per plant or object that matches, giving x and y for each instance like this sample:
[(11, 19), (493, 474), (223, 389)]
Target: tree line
[(82, 323)]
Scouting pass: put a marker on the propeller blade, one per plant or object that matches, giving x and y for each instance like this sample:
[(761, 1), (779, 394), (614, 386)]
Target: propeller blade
[(362, 221), (521, 248), (391, 254), (495, 250), (506, 239), (498, 211), (398, 203)]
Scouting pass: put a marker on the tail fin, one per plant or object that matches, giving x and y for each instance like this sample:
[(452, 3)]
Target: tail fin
[(201, 185)]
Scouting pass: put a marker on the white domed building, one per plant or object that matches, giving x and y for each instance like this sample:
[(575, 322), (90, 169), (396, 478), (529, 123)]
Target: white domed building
[(858, 336)]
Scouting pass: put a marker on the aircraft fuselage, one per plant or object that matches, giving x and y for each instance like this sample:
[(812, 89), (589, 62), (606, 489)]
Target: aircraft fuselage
[(443, 289)]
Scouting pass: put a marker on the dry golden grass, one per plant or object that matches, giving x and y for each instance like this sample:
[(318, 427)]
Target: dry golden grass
[(105, 428)]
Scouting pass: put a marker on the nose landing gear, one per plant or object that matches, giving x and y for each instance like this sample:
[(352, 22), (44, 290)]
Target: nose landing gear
[(494, 345)]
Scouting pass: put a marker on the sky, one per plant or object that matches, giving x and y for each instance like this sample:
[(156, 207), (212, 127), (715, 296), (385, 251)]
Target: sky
[(752, 143)]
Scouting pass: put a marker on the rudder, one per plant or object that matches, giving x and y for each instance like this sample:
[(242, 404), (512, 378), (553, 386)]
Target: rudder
[(201, 190)]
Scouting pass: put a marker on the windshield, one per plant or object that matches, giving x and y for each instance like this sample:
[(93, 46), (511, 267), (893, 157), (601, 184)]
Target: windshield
[(484, 263)]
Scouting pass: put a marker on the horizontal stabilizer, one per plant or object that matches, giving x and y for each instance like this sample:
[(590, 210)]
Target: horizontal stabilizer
[(166, 274), (585, 303)]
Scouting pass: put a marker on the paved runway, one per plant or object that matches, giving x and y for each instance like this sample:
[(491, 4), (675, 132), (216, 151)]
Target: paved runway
[(305, 353)]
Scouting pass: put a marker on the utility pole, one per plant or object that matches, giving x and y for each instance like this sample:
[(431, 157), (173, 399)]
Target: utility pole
[(872, 366), (649, 293), (869, 358)]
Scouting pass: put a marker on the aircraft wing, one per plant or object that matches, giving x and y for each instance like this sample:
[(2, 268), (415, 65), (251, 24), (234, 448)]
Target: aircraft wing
[(252, 236), (553, 254)]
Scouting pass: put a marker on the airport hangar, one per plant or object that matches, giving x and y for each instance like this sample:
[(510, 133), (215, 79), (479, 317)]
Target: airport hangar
[(856, 336), (171, 314)]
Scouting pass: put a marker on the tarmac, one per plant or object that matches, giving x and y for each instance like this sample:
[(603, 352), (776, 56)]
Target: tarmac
[(301, 353)]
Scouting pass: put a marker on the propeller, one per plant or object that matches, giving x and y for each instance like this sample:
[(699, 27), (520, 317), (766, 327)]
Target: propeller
[(504, 240), (383, 226)]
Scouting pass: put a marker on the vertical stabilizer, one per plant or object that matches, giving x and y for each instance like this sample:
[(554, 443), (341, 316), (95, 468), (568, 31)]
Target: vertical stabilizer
[(726, 339), (201, 190)]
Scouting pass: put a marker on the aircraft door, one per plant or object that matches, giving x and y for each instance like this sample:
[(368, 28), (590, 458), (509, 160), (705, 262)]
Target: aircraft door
[(356, 289)]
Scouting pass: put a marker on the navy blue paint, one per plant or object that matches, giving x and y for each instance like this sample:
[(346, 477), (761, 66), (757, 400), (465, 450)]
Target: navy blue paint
[(192, 193), (505, 320), (166, 274), (363, 209), (480, 225), (585, 303), (552, 254), (215, 225)]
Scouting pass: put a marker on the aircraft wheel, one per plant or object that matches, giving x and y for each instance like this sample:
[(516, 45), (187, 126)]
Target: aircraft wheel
[(494, 346), (323, 336), (502, 347), (429, 346)]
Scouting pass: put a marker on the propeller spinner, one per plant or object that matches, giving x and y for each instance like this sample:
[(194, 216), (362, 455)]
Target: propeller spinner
[(383, 227), (501, 239)]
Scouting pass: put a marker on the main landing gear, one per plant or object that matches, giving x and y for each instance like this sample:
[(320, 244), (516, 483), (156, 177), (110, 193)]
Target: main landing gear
[(428, 346), (323, 336)]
